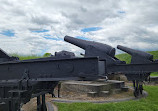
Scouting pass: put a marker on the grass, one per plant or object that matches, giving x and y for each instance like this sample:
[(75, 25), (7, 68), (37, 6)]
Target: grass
[(127, 58), (124, 57), (26, 57), (146, 104)]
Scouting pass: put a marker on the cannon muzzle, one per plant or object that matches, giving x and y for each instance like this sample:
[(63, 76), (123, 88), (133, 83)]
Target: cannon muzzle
[(134, 52)]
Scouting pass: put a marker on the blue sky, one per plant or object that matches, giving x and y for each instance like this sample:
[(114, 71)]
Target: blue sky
[(51, 38), (83, 38), (36, 26), (91, 29), (40, 31), (8, 33)]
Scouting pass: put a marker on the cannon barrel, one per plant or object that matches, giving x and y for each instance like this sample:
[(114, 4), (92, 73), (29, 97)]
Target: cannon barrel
[(84, 44), (136, 52)]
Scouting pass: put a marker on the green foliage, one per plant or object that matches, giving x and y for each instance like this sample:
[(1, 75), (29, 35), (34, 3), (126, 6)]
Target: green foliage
[(47, 55), (146, 104)]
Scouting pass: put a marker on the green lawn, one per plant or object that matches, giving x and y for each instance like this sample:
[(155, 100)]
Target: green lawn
[(146, 104)]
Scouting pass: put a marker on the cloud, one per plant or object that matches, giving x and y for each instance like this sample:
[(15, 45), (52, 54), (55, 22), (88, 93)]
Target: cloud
[(39, 26)]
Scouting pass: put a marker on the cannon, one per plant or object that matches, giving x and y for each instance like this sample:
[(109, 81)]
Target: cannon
[(95, 49), (107, 53), (137, 57), (22, 80), (88, 45)]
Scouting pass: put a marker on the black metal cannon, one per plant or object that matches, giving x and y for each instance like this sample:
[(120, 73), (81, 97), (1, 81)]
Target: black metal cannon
[(22, 80), (107, 54), (138, 57)]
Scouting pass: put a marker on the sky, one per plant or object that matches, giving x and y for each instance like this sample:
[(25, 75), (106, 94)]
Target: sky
[(35, 27)]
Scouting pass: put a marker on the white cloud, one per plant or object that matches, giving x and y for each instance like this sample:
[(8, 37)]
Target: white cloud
[(131, 23)]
